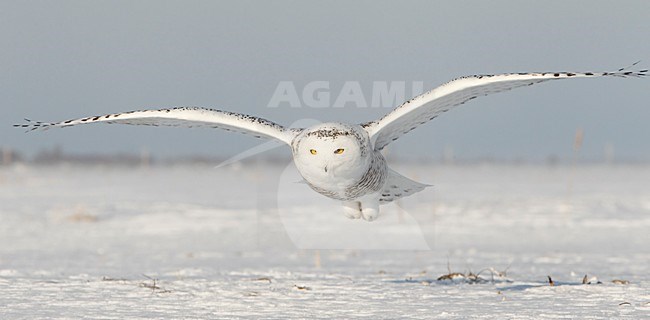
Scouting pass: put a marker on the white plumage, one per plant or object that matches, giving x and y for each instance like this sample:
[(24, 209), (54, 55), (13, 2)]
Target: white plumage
[(339, 160)]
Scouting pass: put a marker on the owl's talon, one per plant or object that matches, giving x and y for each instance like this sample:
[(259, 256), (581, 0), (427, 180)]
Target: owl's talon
[(370, 214), (352, 209)]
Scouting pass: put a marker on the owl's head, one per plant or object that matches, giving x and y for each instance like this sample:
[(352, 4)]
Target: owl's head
[(331, 149)]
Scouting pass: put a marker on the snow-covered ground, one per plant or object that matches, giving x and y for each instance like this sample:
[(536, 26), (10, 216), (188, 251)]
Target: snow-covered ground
[(249, 241)]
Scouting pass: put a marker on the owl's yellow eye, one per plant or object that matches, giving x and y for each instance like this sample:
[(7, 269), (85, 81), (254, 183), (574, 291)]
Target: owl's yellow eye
[(312, 151), (339, 151)]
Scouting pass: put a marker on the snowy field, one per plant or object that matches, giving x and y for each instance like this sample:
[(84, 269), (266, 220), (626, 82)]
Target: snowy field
[(250, 242)]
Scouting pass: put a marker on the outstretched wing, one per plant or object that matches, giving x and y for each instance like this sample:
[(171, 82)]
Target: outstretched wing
[(429, 105), (182, 117)]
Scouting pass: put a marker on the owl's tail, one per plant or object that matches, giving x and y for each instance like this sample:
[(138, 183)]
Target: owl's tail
[(398, 186)]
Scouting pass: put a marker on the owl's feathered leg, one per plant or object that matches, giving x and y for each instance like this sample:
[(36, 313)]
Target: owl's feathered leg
[(370, 207), (366, 207), (352, 209)]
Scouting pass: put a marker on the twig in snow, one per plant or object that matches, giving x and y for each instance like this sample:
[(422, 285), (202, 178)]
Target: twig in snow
[(153, 286), (550, 281)]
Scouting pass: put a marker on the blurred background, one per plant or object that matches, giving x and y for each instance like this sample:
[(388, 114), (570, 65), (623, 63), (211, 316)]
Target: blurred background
[(69, 59)]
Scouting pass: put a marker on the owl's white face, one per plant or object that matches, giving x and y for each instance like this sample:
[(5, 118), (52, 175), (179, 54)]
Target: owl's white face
[(332, 153)]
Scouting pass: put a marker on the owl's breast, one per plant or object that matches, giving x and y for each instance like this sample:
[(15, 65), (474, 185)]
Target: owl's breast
[(348, 184)]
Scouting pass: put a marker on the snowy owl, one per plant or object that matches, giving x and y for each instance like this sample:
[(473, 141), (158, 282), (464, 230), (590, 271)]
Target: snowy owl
[(343, 161)]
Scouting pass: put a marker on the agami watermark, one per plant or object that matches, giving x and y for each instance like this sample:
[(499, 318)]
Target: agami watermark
[(319, 94)]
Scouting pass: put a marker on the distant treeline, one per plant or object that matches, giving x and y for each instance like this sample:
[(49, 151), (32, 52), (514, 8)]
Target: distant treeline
[(56, 156)]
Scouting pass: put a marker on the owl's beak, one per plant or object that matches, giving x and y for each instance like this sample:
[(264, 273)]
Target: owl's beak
[(325, 168)]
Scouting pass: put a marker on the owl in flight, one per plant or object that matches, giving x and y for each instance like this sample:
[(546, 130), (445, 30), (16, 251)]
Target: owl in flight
[(343, 161)]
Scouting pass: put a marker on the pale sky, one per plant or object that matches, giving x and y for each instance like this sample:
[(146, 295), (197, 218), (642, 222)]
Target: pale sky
[(69, 59)]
